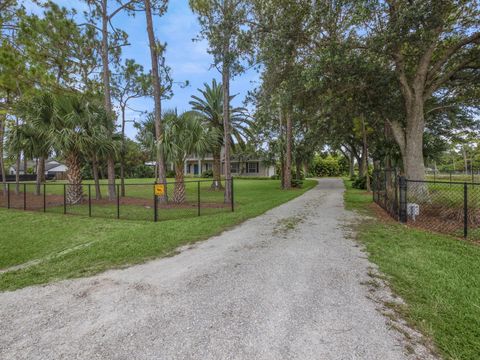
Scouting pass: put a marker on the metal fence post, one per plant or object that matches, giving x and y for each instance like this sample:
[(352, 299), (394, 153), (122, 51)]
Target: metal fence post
[(8, 196), (198, 202), (232, 194), (395, 184), (24, 196), (44, 197), (89, 200), (118, 202), (465, 210), (64, 199), (402, 213), (155, 206)]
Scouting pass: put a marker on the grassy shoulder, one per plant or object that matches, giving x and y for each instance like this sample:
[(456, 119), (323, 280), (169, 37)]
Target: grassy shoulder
[(56, 247), (438, 277)]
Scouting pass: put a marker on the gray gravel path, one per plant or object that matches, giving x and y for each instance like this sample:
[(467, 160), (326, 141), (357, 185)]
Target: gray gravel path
[(285, 285)]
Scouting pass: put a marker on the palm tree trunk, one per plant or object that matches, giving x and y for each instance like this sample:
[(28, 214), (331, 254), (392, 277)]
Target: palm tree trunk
[(74, 176), (96, 180), (179, 188), (217, 171), (40, 175)]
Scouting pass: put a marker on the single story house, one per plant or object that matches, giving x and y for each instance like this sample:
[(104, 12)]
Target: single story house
[(246, 167), (195, 166), (53, 168)]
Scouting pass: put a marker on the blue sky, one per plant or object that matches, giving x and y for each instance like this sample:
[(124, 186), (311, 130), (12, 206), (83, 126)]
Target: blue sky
[(188, 60)]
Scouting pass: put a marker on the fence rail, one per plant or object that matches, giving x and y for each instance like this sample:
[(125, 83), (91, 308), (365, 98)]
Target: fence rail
[(450, 207), (147, 201)]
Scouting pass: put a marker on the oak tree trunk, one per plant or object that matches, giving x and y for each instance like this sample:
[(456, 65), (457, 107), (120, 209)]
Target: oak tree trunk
[(365, 156), (288, 151)]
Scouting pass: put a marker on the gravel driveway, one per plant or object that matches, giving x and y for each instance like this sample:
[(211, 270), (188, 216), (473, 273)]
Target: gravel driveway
[(285, 285)]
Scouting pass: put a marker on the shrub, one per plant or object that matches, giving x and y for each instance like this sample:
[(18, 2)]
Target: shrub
[(328, 166), (170, 174), (361, 182), (297, 183), (207, 174)]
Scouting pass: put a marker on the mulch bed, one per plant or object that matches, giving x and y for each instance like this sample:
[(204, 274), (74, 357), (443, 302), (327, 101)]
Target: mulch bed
[(34, 202)]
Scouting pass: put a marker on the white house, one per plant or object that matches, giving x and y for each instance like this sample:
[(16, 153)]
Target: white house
[(195, 166), (53, 168)]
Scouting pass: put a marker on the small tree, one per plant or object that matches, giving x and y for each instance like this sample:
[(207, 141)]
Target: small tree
[(184, 135)]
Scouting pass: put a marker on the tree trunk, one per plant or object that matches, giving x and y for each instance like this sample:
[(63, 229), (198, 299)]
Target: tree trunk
[(226, 125), (96, 180), (413, 159), (288, 151), (351, 164), (298, 170), (17, 174), (40, 175), (217, 171), (2, 163), (282, 150), (74, 191), (157, 96), (179, 188), (465, 160), (122, 156), (107, 95), (365, 156)]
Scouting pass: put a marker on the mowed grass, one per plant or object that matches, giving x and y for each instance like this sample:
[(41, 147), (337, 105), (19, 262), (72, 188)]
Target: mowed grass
[(438, 277), (56, 247)]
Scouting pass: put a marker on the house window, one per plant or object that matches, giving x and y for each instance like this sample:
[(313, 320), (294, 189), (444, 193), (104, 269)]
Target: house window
[(252, 167), (234, 168)]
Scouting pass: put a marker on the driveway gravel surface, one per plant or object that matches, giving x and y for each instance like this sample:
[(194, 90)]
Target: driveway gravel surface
[(289, 284)]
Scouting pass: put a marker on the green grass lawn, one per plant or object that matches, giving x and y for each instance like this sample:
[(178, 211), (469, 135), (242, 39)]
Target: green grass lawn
[(438, 277), (61, 247)]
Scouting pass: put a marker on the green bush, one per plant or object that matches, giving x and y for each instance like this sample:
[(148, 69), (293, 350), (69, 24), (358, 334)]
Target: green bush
[(297, 183), (361, 182), (170, 174), (207, 174), (326, 166)]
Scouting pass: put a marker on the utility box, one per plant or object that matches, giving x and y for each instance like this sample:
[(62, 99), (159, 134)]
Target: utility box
[(413, 210)]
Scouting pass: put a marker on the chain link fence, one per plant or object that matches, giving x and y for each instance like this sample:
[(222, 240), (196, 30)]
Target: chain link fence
[(148, 201), (447, 207)]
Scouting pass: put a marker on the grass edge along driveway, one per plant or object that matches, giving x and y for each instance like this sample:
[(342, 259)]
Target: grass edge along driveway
[(438, 277), (55, 247)]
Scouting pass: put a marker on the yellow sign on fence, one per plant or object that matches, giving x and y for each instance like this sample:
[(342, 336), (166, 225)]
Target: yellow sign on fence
[(159, 189)]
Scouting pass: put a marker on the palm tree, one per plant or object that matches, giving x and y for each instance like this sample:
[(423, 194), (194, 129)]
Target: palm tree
[(183, 135), (104, 144), (210, 106), (37, 113)]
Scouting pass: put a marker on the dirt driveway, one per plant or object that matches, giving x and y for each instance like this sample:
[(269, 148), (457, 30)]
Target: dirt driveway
[(289, 284)]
